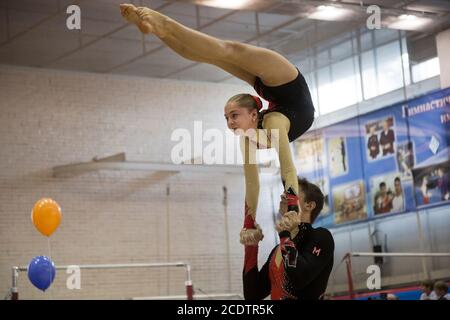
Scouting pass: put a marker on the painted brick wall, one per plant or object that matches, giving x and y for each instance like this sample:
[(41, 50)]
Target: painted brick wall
[(50, 118)]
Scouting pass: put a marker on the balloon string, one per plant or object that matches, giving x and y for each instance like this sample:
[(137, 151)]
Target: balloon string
[(49, 248), (50, 274)]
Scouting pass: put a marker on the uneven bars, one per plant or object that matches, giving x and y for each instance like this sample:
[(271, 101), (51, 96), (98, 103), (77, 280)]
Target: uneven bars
[(187, 266), (348, 255)]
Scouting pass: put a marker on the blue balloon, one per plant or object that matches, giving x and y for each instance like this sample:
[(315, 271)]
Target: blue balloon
[(41, 272)]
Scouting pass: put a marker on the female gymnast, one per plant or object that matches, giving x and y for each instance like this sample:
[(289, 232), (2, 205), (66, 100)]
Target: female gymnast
[(275, 79)]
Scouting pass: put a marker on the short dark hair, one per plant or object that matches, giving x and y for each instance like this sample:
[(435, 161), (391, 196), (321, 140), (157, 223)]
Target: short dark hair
[(428, 284), (441, 285), (383, 184), (312, 193), (397, 179), (409, 145)]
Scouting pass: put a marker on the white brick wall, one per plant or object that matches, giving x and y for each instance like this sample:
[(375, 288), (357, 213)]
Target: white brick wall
[(50, 118)]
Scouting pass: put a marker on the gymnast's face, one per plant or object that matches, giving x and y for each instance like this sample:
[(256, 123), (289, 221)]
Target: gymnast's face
[(238, 117), (305, 207)]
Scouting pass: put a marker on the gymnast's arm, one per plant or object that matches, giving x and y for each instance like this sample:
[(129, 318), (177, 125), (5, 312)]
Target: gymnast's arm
[(278, 126), (256, 283), (251, 182)]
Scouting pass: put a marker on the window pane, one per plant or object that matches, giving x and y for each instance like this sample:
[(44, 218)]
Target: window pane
[(383, 36), (323, 59), (345, 84), (326, 96), (357, 73), (426, 70), (305, 65), (366, 40), (341, 51), (369, 75), (406, 62), (389, 67)]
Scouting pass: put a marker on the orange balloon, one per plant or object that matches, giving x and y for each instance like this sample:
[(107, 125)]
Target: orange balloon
[(46, 216)]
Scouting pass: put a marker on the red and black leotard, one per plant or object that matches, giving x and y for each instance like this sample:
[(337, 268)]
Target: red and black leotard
[(293, 99), (306, 264)]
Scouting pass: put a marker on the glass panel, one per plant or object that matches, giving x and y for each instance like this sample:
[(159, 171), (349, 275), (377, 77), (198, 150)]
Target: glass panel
[(326, 94), (406, 65), (366, 40), (389, 67), (426, 70), (345, 84), (341, 51), (369, 75), (383, 36)]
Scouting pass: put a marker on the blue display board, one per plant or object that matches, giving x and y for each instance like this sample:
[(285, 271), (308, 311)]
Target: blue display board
[(390, 161)]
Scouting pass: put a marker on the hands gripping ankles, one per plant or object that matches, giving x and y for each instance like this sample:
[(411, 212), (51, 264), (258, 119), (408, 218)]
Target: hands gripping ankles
[(288, 222), (292, 200), (251, 234)]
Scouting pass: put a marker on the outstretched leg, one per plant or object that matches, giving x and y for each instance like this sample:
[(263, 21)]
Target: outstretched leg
[(187, 53), (271, 67)]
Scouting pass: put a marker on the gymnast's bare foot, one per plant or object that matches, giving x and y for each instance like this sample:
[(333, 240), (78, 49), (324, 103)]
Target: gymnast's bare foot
[(128, 11), (147, 20)]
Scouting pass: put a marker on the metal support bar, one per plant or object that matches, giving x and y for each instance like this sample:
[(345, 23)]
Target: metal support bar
[(219, 296), (14, 289), (361, 8), (399, 254), (188, 282), (120, 266), (348, 263)]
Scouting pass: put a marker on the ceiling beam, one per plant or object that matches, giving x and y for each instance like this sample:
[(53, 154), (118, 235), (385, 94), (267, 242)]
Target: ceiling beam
[(362, 7), (90, 43), (34, 26)]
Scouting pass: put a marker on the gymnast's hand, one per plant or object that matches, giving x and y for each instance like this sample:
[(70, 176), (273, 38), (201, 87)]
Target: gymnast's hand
[(288, 222), (251, 237)]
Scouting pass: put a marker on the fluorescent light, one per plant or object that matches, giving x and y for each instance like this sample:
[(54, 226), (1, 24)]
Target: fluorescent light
[(329, 13), (409, 22), (226, 4), (409, 17)]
